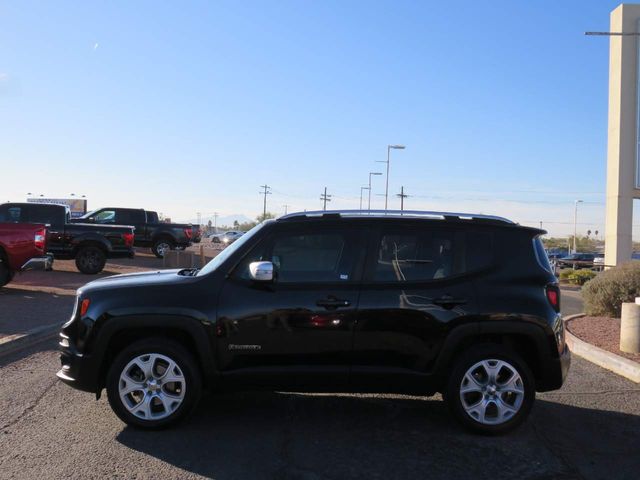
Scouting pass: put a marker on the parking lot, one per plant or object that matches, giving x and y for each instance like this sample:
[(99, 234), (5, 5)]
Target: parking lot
[(589, 429)]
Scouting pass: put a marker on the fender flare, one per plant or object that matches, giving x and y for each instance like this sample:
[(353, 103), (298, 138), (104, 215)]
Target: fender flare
[(90, 237), (197, 330), (514, 326)]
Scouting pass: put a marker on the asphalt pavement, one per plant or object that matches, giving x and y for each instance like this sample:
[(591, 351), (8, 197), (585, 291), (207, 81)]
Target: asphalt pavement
[(588, 430)]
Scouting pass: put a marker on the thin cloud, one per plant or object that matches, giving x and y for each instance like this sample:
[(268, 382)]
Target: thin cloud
[(4, 77), (95, 46)]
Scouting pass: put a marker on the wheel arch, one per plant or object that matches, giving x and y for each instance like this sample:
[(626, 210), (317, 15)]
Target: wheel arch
[(120, 332), (529, 340)]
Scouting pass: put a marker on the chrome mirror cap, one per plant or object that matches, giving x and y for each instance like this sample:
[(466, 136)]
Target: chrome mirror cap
[(261, 271)]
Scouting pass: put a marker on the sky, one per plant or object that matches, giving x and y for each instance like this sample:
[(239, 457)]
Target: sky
[(186, 107)]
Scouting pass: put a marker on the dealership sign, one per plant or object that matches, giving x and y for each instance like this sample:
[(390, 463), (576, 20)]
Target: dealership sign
[(78, 206)]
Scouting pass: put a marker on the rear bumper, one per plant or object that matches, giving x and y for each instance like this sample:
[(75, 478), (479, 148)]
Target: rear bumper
[(556, 373), (38, 263)]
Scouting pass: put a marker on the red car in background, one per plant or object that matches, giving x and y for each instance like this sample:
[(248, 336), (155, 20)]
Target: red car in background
[(23, 246)]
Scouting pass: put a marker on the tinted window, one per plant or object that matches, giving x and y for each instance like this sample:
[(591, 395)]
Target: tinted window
[(406, 254), (129, 217), (306, 258), (10, 213)]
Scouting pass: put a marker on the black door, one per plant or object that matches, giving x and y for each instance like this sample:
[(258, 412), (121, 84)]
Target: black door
[(59, 242), (418, 285), (295, 331)]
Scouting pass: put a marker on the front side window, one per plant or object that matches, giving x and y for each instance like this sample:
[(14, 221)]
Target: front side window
[(305, 257), (105, 216), (416, 254)]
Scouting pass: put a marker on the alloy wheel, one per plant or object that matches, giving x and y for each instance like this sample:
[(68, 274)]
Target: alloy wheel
[(492, 392), (152, 386)]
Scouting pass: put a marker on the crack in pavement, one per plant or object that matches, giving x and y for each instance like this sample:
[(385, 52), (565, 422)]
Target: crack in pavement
[(31, 407)]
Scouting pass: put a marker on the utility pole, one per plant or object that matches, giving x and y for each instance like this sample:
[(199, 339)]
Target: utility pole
[(285, 208), (215, 222), (402, 196), (199, 215), (266, 190), (325, 198), (540, 224)]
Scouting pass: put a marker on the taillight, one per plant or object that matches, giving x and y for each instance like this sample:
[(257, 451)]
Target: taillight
[(553, 296), (187, 232), (40, 239), (84, 306), (128, 239)]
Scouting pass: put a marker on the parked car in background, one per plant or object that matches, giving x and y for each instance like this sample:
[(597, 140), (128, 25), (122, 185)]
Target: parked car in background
[(226, 237), (576, 261), (332, 302), (598, 261), (150, 232), (23, 247), (88, 245), (555, 253)]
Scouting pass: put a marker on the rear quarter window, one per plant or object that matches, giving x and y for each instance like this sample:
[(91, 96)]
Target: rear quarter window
[(541, 254)]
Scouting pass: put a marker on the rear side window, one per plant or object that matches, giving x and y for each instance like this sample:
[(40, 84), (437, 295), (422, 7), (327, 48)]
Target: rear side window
[(541, 254), (12, 214), (410, 254), (129, 217)]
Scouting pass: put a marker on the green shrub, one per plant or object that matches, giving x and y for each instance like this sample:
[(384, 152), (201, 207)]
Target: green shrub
[(564, 274), (580, 277), (604, 295)]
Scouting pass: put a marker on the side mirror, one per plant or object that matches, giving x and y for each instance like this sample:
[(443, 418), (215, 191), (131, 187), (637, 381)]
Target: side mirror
[(261, 271)]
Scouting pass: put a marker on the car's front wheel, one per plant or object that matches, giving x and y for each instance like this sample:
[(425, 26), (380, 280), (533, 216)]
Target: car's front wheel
[(153, 383), (490, 389)]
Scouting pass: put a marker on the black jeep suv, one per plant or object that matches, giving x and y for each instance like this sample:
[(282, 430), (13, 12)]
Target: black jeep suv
[(351, 301)]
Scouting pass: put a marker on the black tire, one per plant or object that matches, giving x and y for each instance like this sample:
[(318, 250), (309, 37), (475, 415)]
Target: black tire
[(160, 246), (5, 274), (187, 368), (496, 425), (90, 260)]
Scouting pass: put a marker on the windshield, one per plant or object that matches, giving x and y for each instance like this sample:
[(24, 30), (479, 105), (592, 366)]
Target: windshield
[(87, 215), (227, 252)]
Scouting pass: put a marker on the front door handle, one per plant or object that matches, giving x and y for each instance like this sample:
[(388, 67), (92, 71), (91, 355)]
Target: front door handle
[(332, 303), (447, 301)]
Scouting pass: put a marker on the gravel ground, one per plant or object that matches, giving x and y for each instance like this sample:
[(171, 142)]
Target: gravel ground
[(603, 332)]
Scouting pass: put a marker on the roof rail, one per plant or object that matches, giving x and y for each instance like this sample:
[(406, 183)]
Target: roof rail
[(396, 213)]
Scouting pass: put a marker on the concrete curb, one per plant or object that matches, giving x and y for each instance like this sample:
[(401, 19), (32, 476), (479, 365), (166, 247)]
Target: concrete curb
[(19, 341), (617, 364)]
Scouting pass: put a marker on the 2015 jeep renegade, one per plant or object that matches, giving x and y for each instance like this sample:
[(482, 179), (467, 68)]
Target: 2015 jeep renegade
[(406, 302)]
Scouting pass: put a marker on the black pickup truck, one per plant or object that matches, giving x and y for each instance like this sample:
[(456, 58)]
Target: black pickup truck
[(89, 245), (150, 232)]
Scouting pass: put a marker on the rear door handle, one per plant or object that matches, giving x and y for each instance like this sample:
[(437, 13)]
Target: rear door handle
[(447, 301), (333, 303)]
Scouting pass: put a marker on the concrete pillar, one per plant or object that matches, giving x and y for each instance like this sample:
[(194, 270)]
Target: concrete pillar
[(622, 134), (630, 328)]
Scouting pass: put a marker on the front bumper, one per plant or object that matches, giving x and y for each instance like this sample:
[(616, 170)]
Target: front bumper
[(38, 263), (77, 370)]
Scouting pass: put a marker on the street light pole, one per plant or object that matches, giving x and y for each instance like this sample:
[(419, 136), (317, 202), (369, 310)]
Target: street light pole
[(361, 189), (575, 226), (371, 173), (386, 190)]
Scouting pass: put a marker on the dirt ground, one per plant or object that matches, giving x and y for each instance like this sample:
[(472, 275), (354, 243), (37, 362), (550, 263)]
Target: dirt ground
[(602, 332)]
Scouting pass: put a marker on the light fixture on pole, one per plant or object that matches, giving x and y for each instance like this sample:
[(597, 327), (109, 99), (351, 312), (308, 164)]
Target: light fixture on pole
[(386, 190), (575, 226), (371, 173)]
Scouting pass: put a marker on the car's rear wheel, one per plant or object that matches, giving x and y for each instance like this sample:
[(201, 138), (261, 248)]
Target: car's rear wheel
[(90, 260), (153, 383), (161, 247), (490, 390)]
